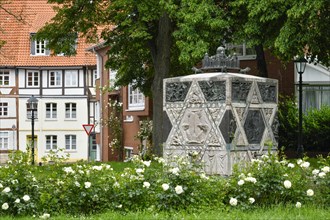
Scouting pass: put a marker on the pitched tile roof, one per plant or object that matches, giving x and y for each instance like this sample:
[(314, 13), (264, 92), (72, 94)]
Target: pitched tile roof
[(16, 51)]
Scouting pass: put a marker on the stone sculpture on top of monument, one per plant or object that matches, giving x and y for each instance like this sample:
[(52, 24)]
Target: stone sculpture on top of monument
[(225, 116)]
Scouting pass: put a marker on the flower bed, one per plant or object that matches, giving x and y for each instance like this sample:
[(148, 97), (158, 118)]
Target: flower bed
[(158, 185)]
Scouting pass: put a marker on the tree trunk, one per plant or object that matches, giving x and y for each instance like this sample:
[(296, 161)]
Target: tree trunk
[(261, 61), (161, 60)]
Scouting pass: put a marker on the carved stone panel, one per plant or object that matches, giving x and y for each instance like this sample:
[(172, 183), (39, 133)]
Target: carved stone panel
[(275, 126), (177, 91), (240, 90), (167, 126), (254, 126), (213, 90), (195, 126), (267, 92), (228, 126)]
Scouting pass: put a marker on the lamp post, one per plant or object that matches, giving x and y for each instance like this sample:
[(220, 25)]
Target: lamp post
[(300, 67), (33, 105)]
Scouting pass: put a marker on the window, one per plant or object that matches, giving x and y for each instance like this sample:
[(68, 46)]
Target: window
[(51, 142), (4, 77), (3, 109), (51, 110), (315, 96), (29, 112), (128, 153), (242, 50), (55, 78), (70, 110), (38, 47), (135, 99), (70, 142), (4, 138), (95, 77), (33, 78), (71, 78)]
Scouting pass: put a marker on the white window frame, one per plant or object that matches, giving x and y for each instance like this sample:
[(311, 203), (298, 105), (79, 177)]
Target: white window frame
[(55, 78), (71, 78), (135, 98), (51, 110), (243, 55), (70, 110), (95, 77), (51, 142), (3, 109), (33, 77), (4, 78), (4, 140), (40, 47), (70, 142)]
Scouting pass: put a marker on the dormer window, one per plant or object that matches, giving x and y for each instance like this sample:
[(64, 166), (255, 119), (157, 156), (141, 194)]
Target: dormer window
[(38, 47)]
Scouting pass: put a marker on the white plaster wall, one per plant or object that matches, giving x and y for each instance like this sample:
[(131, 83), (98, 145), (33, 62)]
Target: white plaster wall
[(59, 126)]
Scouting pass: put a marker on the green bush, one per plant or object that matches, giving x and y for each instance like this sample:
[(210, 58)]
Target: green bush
[(288, 119), (317, 129), (159, 185)]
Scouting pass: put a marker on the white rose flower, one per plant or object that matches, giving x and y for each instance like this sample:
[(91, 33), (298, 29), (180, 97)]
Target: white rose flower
[(322, 174), (298, 205), (315, 171), (1, 186), (240, 182), (305, 164), (97, 168), (165, 186), (116, 185), (299, 161), (139, 170), (77, 184), (251, 200), (326, 169), (251, 179), (45, 216), (178, 189), (287, 184), (68, 170), (26, 198), (233, 201), (6, 190), (146, 185), (17, 201), (147, 163), (88, 185), (310, 192), (291, 165), (5, 206), (175, 170)]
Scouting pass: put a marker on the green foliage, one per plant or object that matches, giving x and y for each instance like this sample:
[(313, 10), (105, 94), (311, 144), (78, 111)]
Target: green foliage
[(159, 186), (317, 129), (288, 119)]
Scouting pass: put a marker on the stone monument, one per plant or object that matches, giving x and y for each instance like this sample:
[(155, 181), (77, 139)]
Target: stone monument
[(225, 117)]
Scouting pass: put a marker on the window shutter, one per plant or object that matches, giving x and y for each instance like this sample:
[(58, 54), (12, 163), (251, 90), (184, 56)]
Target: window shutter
[(32, 45)]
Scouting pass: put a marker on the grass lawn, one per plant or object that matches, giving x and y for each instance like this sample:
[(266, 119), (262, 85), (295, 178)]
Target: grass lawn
[(274, 213)]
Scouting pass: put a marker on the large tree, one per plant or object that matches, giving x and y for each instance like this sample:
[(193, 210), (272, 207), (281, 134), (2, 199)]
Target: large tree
[(285, 27), (149, 39)]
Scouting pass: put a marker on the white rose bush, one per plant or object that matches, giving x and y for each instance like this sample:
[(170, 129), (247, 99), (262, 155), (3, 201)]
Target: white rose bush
[(158, 184)]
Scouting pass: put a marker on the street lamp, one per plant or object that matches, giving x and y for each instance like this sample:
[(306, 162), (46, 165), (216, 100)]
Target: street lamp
[(300, 67), (32, 103)]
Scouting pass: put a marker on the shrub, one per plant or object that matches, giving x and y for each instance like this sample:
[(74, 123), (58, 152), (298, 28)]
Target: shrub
[(317, 129)]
